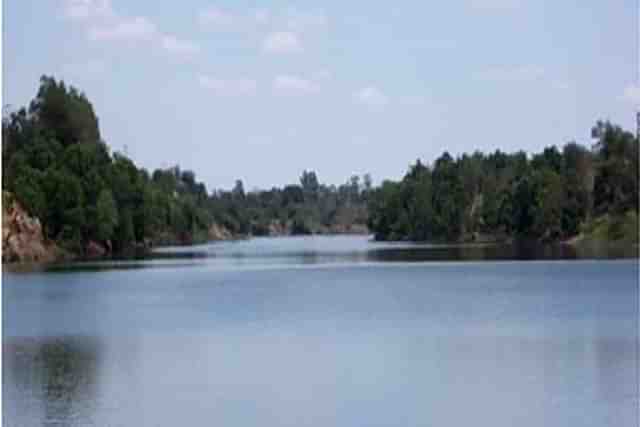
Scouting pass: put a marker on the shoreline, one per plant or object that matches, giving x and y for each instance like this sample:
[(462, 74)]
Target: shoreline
[(140, 250), (139, 253)]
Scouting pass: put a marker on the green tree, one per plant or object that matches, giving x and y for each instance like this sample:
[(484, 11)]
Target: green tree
[(616, 183), (125, 231), (549, 200), (107, 215), (28, 190), (310, 186), (448, 199), (238, 190), (579, 176), (65, 113), (65, 203)]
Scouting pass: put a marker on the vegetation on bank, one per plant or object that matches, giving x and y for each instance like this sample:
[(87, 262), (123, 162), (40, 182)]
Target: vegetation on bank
[(307, 208), (551, 196), (618, 228), (58, 167), (91, 200), (22, 238)]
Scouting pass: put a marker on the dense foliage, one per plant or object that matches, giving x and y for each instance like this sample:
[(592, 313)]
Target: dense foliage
[(307, 208), (57, 165), (548, 196), (59, 168)]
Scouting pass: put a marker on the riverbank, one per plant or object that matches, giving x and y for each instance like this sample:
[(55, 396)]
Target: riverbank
[(620, 231), (24, 241), (102, 338), (22, 237)]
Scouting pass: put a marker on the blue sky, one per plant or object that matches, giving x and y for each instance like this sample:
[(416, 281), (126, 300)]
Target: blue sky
[(262, 90)]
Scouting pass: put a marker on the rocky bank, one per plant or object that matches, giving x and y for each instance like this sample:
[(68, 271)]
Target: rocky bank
[(22, 237)]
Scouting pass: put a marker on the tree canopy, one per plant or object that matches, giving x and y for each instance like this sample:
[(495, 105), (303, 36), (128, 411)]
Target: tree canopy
[(60, 169), (547, 196)]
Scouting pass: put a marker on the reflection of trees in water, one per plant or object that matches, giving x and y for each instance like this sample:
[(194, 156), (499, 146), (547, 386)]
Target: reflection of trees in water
[(617, 376), (49, 381), (615, 361), (518, 250), (596, 249)]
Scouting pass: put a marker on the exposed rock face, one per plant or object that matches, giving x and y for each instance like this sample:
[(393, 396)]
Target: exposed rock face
[(95, 250), (348, 229), (218, 232), (478, 237), (22, 238), (276, 228)]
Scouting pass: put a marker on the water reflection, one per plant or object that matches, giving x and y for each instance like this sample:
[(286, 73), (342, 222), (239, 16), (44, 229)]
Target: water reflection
[(52, 380), (318, 249), (339, 332), (515, 251), (282, 377), (311, 250)]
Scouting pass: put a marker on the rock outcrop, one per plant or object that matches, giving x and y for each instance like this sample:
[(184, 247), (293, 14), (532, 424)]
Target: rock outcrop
[(96, 250), (218, 232), (276, 228), (22, 237), (348, 229)]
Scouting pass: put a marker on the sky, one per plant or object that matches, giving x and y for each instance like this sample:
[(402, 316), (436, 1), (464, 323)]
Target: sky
[(261, 91)]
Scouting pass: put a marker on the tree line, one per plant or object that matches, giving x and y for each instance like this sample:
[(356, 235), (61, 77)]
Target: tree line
[(553, 195), (307, 208), (57, 165), (60, 169)]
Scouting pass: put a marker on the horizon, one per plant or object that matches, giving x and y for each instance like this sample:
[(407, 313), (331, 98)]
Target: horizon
[(307, 88)]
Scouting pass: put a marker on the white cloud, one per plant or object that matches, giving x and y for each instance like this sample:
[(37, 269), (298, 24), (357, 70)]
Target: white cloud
[(216, 18), (512, 74), (291, 20), (294, 85), (631, 94), (282, 42), (371, 97), (83, 10), (261, 16), (232, 87), (103, 24), (136, 29), (179, 47)]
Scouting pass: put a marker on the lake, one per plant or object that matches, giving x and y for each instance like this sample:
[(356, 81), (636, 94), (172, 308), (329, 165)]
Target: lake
[(326, 331)]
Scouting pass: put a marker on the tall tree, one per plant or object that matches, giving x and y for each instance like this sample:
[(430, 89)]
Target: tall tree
[(107, 214)]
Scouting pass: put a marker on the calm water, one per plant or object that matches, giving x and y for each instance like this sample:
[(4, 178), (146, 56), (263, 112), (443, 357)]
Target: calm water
[(325, 331)]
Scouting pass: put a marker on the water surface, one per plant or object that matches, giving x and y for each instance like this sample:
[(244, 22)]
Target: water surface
[(325, 331)]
